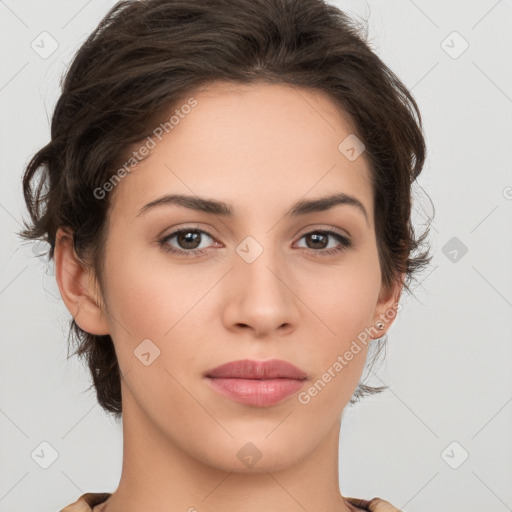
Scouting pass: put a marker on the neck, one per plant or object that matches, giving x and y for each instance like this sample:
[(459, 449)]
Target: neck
[(158, 474)]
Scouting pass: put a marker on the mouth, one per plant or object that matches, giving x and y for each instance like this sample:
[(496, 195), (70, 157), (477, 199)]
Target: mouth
[(257, 383)]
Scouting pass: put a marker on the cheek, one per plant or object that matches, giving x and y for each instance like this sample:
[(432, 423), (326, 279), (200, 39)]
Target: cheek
[(151, 299), (340, 346), (139, 304), (342, 302), (344, 298), (149, 294), (151, 314)]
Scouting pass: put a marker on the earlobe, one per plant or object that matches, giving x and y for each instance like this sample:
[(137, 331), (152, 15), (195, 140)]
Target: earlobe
[(388, 306), (76, 285)]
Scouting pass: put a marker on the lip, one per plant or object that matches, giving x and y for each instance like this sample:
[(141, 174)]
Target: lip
[(257, 383)]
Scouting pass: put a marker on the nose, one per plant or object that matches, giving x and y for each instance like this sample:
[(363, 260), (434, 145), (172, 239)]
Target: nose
[(262, 296)]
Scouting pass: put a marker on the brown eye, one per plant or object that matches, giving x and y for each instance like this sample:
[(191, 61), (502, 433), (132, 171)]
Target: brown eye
[(318, 242), (188, 241)]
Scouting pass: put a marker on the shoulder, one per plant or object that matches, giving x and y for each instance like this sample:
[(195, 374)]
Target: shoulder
[(374, 505), (86, 502)]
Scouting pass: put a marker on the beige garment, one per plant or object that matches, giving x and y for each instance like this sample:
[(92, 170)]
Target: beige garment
[(87, 502)]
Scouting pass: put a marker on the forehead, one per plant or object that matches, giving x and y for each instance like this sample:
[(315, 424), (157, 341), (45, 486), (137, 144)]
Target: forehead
[(248, 144)]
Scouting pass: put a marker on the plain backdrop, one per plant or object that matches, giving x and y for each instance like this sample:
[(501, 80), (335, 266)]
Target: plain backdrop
[(440, 439)]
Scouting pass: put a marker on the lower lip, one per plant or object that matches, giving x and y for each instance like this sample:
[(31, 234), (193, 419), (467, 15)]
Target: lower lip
[(259, 393)]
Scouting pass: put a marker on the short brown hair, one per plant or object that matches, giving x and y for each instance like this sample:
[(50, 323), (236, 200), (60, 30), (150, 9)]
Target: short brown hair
[(145, 55)]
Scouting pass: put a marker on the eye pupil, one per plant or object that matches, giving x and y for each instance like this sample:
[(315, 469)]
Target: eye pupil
[(186, 237), (315, 238)]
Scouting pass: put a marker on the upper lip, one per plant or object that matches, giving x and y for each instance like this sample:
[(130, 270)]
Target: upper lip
[(250, 369)]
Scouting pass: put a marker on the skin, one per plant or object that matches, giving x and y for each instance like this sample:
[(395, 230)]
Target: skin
[(259, 148)]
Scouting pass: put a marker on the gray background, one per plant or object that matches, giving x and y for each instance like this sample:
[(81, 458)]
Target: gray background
[(448, 361)]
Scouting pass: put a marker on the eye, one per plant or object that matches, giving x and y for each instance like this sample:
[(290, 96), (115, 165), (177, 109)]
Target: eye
[(189, 241), (187, 238), (321, 237)]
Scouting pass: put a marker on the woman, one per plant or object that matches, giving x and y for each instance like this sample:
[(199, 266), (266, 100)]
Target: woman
[(227, 199)]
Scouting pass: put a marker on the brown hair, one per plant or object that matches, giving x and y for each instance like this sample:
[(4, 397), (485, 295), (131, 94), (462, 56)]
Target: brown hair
[(146, 55)]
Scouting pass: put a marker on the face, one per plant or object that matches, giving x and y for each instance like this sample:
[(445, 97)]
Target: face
[(260, 283)]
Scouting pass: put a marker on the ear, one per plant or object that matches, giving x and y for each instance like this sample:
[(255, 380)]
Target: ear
[(78, 286), (387, 306)]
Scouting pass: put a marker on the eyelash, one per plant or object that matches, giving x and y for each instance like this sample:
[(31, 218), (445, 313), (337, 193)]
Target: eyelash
[(344, 241)]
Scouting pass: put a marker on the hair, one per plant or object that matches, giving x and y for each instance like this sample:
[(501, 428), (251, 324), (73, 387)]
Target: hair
[(147, 55)]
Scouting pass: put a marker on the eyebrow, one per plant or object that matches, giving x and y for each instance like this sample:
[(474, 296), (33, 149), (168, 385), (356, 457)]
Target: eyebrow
[(215, 207)]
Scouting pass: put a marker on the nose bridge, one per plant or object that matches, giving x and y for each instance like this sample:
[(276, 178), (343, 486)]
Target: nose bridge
[(258, 262), (264, 300)]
